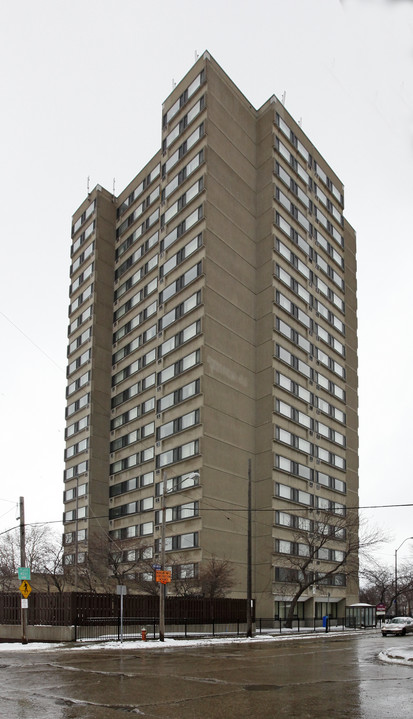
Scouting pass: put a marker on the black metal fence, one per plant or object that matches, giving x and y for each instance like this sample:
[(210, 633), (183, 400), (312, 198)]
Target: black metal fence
[(132, 628), (113, 629)]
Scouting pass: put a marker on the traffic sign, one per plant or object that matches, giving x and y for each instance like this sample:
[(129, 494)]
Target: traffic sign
[(25, 589), (23, 572), (163, 576)]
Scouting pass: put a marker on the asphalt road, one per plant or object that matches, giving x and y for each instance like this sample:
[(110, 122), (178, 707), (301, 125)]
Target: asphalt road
[(328, 676)]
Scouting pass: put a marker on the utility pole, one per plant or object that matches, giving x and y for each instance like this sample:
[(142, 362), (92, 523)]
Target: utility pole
[(161, 585), (23, 564), (249, 556)]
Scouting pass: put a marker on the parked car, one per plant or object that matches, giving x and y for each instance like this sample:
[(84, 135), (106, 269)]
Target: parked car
[(397, 625)]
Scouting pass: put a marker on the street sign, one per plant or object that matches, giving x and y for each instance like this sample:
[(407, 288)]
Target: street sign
[(25, 603), (121, 589), (23, 572), (156, 566), (163, 576), (380, 609), (25, 589)]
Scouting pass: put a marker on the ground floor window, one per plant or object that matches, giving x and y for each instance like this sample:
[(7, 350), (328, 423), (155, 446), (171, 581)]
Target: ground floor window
[(281, 610), (324, 608)]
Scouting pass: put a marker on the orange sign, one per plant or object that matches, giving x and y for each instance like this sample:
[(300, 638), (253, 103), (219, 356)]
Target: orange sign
[(163, 576)]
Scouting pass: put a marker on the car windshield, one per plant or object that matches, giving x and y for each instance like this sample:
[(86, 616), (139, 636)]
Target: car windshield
[(398, 620)]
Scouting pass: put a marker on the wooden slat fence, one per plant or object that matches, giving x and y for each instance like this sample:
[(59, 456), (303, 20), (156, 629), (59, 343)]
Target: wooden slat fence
[(71, 608)]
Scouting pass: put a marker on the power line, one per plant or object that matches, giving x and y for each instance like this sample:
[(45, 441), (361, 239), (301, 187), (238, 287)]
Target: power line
[(232, 510), (29, 339)]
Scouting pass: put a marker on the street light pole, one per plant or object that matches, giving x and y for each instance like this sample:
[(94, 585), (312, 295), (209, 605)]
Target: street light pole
[(161, 585), (249, 557), (23, 564), (395, 573)]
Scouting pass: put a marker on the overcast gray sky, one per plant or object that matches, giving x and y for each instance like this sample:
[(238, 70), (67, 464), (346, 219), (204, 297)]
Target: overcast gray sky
[(83, 80)]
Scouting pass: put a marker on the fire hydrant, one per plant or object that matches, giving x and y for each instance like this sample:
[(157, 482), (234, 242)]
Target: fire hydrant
[(144, 634)]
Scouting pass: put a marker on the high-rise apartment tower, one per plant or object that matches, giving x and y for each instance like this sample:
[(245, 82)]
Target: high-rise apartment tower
[(212, 321)]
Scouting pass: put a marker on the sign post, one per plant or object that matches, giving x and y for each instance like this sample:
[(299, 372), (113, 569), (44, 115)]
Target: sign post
[(121, 590), (27, 588)]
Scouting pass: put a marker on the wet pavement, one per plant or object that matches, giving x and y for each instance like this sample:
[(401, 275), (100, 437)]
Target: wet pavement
[(304, 678)]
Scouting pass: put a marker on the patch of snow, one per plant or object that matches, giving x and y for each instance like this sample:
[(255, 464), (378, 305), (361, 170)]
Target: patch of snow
[(167, 644), (397, 655)]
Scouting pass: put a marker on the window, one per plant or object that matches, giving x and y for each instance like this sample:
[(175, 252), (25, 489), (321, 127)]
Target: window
[(178, 425), (179, 395), (292, 234), (76, 470), (182, 150), (78, 341), (76, 427), (138, 254), (139, 190), (182, 511), (77, 448), (295, 468), (136, 366), (87, 252), (179, 541), (136, 435), (84, 216), (178, 454), (293, 495), (143, 480), (78, 383), (133, 390), (81, 278), (144, 455), (183, 227), (287, 331), (137, 411), (143, 505), (179, 483), (182, 281), (193, 87), (180, 338), (174, 370), (179, 311)]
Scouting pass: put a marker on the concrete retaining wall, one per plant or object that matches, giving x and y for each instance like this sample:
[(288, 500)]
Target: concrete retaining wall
[(37, 633)]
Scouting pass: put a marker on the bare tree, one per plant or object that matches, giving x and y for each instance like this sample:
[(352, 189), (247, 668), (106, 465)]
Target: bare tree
[(216, 578), (43, 557), (109, 562), (378, 586), (325, 551)]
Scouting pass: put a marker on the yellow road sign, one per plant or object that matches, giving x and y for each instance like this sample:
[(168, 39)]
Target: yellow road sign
[(25, 589)]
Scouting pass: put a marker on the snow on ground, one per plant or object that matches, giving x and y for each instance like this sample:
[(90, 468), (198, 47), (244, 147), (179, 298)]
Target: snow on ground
[(156, 644), (394, 655), (398, 655)]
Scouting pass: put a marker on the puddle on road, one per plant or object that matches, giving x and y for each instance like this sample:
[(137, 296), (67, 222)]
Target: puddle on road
[(261, 687)]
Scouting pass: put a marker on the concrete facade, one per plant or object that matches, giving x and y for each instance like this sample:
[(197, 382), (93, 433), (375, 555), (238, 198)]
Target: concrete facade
[(212, 321)]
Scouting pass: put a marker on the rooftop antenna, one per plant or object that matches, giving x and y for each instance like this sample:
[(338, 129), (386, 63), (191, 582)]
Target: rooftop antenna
[(113, 190), (196, 56), (300, 122), (88, 184), (173, 84), (283, 97)]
